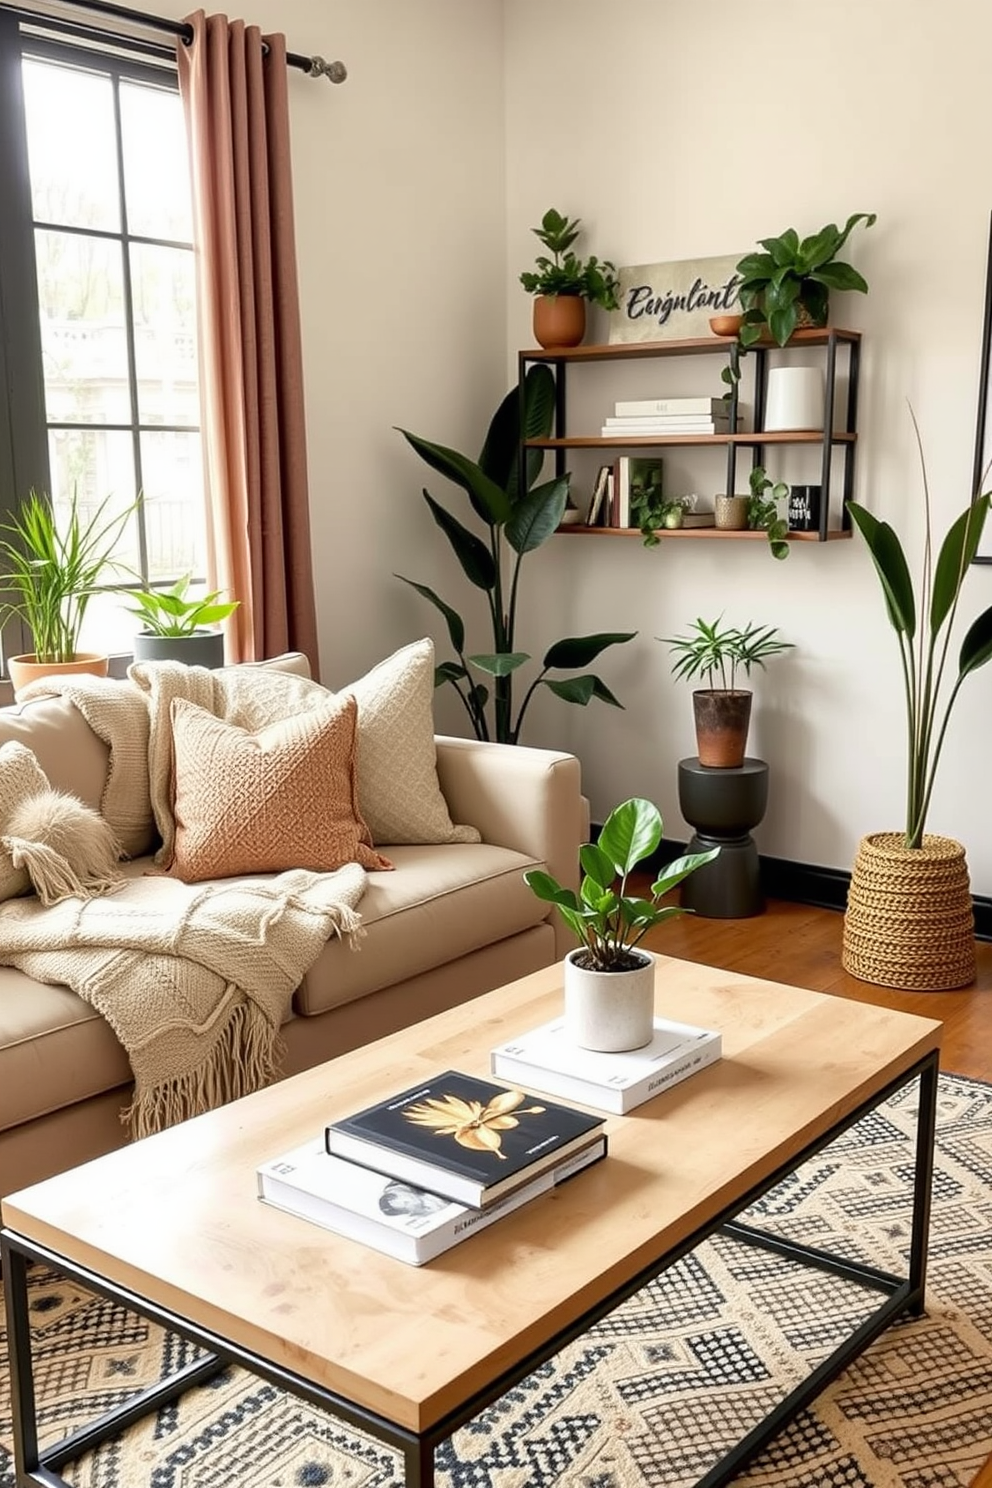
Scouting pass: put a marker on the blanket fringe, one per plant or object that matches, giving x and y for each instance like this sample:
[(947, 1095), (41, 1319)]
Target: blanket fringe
[(53, 877), (245, 1057)]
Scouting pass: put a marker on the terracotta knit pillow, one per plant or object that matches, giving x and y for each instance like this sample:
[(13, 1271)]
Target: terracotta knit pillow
[(263, 802)]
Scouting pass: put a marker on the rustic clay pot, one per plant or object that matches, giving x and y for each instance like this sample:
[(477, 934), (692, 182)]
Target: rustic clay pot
[(559, 320), (722, 722), (27, 668)]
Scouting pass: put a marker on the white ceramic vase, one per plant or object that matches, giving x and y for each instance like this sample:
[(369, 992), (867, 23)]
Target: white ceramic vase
[(609, 1010)]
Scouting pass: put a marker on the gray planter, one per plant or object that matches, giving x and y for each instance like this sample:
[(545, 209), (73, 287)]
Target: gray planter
[(204, 648)]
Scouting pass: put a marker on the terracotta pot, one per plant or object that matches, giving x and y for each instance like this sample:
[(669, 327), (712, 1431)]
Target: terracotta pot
[(609, 1010), (722, 722), (24, 669), (559, 320), (910, 921)]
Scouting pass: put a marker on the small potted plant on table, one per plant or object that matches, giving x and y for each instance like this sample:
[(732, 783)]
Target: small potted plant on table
[(609, 982)]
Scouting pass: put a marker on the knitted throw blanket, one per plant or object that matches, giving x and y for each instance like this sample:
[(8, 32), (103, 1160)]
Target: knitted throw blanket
[(194, 979)]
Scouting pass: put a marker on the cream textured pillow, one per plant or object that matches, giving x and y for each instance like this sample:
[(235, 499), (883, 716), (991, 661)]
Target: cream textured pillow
[(263, 802), (398, 791), (49, 839)]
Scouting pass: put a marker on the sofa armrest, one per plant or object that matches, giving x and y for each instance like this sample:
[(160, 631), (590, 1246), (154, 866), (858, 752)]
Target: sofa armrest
[(529, 800)]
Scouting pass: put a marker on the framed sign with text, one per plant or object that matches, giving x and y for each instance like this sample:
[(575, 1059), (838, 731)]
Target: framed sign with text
[(982, 475), (674, 301)]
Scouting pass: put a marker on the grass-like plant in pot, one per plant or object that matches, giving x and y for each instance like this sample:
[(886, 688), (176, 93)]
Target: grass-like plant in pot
[(514, 523), (564, 283), (609, 982), (715, 653), (50, 568), (177, 627)]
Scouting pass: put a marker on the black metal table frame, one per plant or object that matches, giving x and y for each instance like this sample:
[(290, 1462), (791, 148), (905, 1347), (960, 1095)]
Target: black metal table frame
[(39, 1468)]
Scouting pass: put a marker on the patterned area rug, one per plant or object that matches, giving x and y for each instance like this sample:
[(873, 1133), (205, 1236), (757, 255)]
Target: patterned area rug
[(648, 1398)]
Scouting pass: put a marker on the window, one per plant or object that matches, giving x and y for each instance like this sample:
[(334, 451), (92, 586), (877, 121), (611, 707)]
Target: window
[(97, 295)]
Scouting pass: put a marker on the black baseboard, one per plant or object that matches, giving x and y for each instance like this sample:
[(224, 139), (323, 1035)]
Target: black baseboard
[(805, 883)]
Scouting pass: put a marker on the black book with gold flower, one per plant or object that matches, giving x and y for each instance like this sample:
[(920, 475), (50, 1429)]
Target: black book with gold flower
[(462, 1137)]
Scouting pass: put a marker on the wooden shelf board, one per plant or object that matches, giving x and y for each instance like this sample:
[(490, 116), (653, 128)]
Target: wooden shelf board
[(632, 441), (634, 349), (578, 529)]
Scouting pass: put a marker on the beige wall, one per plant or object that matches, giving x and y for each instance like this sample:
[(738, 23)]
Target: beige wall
[(677, 136)]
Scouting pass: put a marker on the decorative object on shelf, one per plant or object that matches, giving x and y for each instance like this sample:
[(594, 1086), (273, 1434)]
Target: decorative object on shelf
[(909, 919), (50, 570), (673, 301), (804, 508), (609, 983), (763, 514), (516, 523), (723, 713), (795, 399), (563, 283), (788, 286), (725, 325), (730, 513), (175, 628)]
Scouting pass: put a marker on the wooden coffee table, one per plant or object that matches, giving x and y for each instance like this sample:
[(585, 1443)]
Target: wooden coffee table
[(172, 1226)]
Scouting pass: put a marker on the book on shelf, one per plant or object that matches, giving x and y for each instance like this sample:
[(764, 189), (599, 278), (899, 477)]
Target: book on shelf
[(461, 1137), (634, 406), (544, 1059), (594, 514), (402, 1221), (633, 474), (698, 519), (614, 428)]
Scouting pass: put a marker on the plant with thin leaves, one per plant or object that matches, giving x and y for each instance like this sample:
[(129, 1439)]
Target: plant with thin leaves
[(52, 565), (168, 612), (713, 650), (516, 520), (923, 630), (606, 920)]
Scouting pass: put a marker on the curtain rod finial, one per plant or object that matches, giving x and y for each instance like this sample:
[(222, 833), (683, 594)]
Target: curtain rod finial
[(335, 72)]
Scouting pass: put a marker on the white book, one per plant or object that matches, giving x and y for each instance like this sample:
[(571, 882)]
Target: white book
[(545, 1060), (669, 405), (661, 420), (652, 431), (402, 1221)]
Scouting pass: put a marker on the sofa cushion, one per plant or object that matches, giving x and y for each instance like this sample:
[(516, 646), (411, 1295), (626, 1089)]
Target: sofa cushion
[(440, 903), (21, 777), (284, 797), (398, 790), (65, 746), (62, 846)]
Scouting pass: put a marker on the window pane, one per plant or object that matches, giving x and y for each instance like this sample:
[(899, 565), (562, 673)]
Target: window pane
[(72, 147), (108, 629), (96, 464), (84, 346), (173, 505), (156, 163), (165, 335)]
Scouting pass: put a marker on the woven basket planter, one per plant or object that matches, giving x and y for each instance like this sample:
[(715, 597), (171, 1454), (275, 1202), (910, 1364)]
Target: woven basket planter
[(909, 920)]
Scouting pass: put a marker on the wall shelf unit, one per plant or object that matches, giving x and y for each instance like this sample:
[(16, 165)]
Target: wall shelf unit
[(837, 345)]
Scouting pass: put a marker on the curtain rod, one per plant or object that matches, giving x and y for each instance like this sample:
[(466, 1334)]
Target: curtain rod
[(335, 72)]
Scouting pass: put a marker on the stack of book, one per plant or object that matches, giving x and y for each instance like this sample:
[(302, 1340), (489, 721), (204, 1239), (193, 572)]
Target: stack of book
[(545, 1059), (644, 418), (415, 1174)]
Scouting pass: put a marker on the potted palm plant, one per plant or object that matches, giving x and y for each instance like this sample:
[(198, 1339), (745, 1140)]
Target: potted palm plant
[(713, 651), (609, 982), (175, 627), (564, 283), (51, 568), (909, 920)]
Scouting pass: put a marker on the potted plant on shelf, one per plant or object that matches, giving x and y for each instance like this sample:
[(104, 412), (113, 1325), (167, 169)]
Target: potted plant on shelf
[(564, 283), (722, 714), (788, 286), (609, 982), (515, 522), (763, 512), (909, 920), (50, 570), (177, 628)]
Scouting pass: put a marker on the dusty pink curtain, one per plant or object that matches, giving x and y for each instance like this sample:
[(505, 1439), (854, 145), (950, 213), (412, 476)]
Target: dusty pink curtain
[(251, 364)]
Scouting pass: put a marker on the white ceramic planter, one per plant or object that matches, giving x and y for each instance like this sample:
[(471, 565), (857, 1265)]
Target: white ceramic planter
[(609, 1010)]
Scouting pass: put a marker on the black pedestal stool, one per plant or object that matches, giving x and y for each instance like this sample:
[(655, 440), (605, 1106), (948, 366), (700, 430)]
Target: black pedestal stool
[(723, 806)]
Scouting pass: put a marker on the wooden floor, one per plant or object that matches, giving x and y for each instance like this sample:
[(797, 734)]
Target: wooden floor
[(798, 944)]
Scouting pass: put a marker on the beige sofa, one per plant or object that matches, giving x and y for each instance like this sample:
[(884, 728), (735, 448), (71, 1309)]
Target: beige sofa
[(449, 922)]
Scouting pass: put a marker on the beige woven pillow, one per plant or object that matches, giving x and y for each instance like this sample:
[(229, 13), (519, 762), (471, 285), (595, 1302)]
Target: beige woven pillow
[(398, 790), (50, 840), (263, 802)]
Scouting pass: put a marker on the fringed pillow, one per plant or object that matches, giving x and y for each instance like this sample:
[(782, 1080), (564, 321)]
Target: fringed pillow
[(50, 841)]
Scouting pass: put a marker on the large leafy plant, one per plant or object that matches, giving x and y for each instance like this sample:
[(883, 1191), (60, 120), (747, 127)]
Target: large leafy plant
[(515, 519), (608, 921), (564, 273), (923, 628)]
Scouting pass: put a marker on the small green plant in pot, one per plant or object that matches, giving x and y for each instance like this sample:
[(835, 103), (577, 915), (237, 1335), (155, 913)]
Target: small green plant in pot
[(609, 983), (175, 627), (713, 652), (564, 283)]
